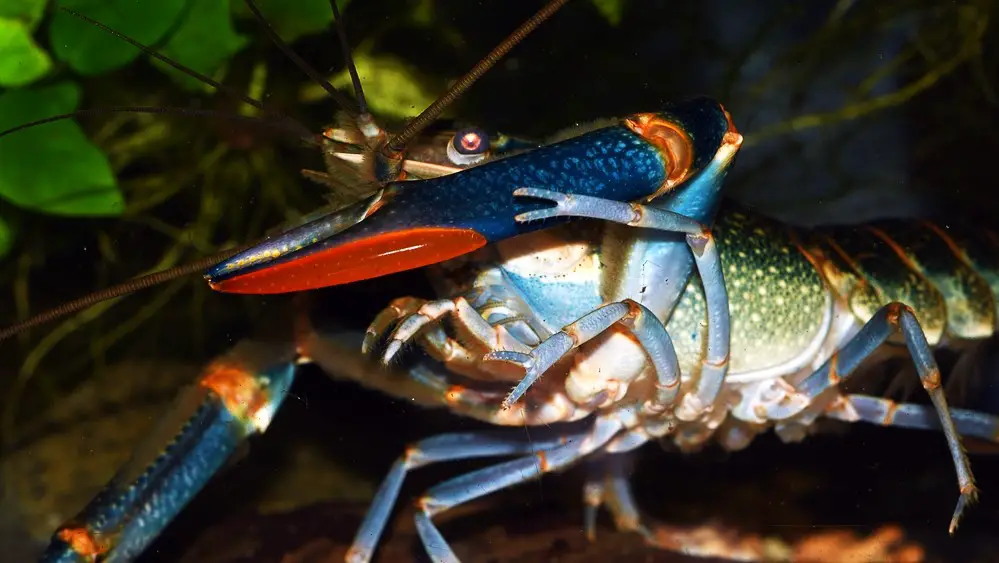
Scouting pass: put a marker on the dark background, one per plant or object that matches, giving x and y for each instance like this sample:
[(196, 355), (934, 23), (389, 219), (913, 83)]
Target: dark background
[(768, 62)]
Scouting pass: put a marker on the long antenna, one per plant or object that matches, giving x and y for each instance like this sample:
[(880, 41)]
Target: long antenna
[(282, 122), (291, 124), (345, 103), (121, 289), (174, 64), (393, 149), (420, 122)]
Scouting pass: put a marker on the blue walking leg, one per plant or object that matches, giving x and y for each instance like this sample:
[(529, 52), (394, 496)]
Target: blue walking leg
[(885, 412), (446, 447), (649, 331), (714, 366), (479, 483), (414, 318), (891, 319)]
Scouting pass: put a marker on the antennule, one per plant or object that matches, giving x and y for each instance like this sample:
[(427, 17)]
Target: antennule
[(362, 105), (345, 104)]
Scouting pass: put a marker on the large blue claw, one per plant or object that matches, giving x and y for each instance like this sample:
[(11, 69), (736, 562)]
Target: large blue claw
[(413, 224)]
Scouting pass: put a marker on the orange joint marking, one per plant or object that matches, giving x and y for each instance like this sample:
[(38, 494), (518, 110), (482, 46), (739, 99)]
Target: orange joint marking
[(889, 416), (638, 214), (239, 391), (409, 454), (378, 255), (760, 411), (573, 333), (453, 395), (720, 363), (543, 462), (894, 313), (83, 543), (670, 385), (833, 376), (634, 311), (672, 142), (932, 380), (425, 505)]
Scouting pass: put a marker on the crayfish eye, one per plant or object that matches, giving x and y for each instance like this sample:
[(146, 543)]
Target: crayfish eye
[(468, 146)]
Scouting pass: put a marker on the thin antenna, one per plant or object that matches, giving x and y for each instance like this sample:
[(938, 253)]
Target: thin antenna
[(121, 289), (281, 122), (166, 60), (395, 146), (285, 124), (345, 103), (362, 105)]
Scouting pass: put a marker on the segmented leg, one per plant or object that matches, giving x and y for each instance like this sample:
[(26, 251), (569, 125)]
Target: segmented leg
[(236, 397), (446, 447), (891, 319), (649, 331), (429, 384), (397, 309), (885, 412), (418, 317), (706, 257), (435, 340), (491, 479)]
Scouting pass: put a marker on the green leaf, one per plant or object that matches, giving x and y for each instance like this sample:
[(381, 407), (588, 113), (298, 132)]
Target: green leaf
[(53, 168), (392, 88), (423, 13), (204, 41), (612, 10), (21, 60), (90, 50), (6, 238), (29, 12), (293, 18)]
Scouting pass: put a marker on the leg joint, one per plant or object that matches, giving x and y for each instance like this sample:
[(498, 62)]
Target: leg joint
[(894, 312)]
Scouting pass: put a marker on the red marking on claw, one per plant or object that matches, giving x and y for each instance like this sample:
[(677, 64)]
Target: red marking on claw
[(367, 258), (238, 390), (82, 542)]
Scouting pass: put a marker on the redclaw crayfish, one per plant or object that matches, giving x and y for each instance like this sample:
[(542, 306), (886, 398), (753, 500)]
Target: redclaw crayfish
[(670, 314)]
